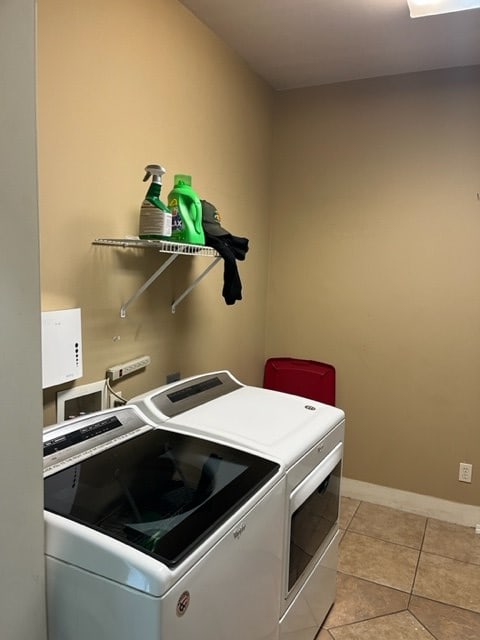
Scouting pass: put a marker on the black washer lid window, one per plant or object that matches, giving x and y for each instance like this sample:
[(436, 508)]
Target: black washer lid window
[(160, 492)]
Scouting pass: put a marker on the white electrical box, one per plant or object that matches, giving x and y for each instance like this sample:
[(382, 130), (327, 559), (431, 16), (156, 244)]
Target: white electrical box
[(81, 400), (61, 347)]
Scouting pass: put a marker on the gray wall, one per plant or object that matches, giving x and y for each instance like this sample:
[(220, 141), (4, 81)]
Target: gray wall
[(22, 608)]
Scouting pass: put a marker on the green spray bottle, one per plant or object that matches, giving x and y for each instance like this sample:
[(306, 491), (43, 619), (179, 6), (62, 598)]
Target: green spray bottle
[(155, 217), (186, 210)]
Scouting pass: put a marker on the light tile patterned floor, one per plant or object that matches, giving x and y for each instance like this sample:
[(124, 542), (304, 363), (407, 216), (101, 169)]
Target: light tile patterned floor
[(402, 577)]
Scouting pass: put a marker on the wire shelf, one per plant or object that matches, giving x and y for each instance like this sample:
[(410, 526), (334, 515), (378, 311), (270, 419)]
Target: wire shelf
[(164, 246)]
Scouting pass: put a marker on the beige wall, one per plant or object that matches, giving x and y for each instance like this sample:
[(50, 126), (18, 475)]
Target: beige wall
[(22, 597), (375, 267), (123, 84)]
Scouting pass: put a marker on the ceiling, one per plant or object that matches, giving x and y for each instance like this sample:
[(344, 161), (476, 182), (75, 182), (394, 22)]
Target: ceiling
[(300, 43)]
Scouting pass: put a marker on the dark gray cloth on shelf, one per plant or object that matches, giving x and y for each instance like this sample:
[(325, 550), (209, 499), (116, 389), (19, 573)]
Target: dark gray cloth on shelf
[(231, 248)]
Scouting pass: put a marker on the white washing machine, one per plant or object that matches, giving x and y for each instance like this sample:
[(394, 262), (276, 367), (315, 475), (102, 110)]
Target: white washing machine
[(307, 438), (159, 534)]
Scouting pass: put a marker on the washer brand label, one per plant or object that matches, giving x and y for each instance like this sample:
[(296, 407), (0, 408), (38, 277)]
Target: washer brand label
[(182, 603), (238, 532)]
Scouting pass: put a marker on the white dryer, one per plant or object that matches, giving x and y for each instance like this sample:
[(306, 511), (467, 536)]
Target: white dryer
[(157, 533), (307, 438)]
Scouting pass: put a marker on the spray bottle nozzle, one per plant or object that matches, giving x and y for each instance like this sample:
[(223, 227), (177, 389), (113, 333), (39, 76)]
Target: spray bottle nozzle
[(156, 171)]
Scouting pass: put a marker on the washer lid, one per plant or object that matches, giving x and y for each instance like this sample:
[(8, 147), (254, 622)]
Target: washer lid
[(161, 492)]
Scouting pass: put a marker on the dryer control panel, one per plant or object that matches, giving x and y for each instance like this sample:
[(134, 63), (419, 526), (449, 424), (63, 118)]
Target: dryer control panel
[(176, 398)]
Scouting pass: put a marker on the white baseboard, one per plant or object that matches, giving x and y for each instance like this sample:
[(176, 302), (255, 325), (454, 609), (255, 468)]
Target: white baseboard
[(464, 514)]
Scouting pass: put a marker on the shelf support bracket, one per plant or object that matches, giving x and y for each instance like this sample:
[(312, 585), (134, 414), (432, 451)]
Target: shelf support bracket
[(175, 249), (153, 277), (176, 302)]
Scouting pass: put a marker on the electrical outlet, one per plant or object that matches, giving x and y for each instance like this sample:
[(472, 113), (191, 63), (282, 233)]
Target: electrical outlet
[(115, 400), (465, 472), (125, 369)]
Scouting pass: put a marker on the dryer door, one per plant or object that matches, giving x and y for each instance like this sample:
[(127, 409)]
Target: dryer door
[(160, 492)]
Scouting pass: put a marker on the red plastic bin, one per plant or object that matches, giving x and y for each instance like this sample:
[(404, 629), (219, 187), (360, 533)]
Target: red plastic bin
[(306, 378)]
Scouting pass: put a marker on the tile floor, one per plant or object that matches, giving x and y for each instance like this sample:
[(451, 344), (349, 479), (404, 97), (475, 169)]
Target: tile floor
[(402, 577)]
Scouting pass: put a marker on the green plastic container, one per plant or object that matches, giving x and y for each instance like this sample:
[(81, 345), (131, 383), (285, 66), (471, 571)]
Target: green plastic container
[(186, 209)]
